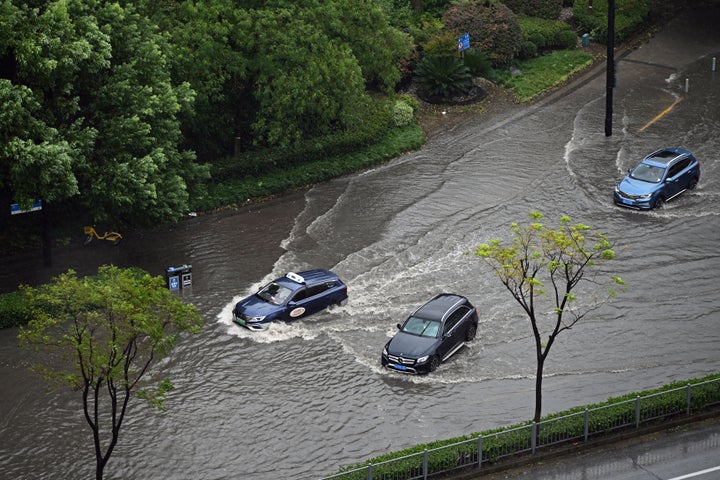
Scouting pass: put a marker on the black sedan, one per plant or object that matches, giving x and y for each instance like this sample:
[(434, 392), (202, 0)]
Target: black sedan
[(431, 334)]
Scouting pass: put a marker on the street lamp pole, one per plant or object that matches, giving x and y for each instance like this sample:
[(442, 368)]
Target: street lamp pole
[(610, 80)]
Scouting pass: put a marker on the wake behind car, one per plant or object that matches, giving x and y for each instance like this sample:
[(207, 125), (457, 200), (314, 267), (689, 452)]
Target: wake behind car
[(294, 296), (431, 334), (658, 178)]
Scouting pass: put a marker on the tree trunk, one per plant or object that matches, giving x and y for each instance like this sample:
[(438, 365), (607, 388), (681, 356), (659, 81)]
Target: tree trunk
[(538, 388)]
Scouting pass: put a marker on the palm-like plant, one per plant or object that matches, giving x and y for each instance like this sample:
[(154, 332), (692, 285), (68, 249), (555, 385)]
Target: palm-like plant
[(442, 76)]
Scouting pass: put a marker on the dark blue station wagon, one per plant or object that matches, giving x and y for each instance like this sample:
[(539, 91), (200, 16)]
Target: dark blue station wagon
[(294, 296)]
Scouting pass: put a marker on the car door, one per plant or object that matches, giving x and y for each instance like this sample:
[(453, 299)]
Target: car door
[(676, 182), (307, 301), (453, 332)]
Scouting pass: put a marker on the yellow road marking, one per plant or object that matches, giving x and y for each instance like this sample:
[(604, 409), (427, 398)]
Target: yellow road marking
[(661, 114)]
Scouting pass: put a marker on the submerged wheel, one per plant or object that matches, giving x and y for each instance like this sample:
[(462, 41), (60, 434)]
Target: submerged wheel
[(434, 363), (659, 203), (693, 184), (472, 330)]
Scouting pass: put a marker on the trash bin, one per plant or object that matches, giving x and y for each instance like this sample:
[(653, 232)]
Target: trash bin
[(585, 40), (179, 277)]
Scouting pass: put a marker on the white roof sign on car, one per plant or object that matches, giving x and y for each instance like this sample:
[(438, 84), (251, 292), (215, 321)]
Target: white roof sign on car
[(295, 277)]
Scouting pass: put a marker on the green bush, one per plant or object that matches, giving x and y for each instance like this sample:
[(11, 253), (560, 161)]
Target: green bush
[(548, 9), (13, 311), (493, 28), (402, 114), (477, 62), (442, 77), (443, 43), (528, 50), (566, 40), (630, 15), (546, 33)]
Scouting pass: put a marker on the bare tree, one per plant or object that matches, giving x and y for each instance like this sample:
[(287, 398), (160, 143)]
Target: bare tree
[(101, 335), (541, 268)]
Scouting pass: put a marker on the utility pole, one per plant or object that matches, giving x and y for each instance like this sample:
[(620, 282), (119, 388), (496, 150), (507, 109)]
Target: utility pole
[(610, 81)]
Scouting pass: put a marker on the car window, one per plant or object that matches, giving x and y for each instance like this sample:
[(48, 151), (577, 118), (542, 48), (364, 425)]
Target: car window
[(648, 173), (455, 317), (678, 167), (313, 290), (422, 327), (274, 293)]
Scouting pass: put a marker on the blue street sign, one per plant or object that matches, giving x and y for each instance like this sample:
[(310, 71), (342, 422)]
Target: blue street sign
[(463, 42), (15, 208), (174, 283)]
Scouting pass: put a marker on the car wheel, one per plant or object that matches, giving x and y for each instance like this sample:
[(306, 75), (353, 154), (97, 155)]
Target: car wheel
[(472, 330), (659, 203), (693, 183), (434, 363)]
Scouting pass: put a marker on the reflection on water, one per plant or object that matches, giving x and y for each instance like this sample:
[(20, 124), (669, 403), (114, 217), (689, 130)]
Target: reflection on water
[(304, 398)]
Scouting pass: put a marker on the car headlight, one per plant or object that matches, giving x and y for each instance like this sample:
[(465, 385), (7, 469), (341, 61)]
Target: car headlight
[(617, 190), (423, 359), (645, 195), (255, 319), (385, 351)]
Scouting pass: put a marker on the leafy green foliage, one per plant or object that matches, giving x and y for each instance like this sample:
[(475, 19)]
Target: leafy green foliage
[(13, 312), (403, 114), (541, 268), (442, 77), (100, 336), (630, 15), (93, 112), (547, 9), (477, 62), (492, 26), (546, 33)]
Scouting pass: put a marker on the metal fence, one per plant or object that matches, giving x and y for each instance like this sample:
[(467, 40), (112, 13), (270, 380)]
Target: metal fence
[(581, 426)]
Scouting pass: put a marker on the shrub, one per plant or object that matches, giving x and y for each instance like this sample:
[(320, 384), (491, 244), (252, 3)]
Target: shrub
[(492, 26), (444, 43), (402, 114), (546, 33), (566, 40), (548, 9), (528, 50), (630, 15), (442, 77), (13, 311), (477, 62)]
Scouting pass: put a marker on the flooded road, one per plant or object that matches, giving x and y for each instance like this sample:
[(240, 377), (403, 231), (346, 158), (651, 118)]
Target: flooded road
[(302, 399)]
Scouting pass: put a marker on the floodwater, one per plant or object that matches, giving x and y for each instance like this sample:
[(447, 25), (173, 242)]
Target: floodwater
[(303, 399)]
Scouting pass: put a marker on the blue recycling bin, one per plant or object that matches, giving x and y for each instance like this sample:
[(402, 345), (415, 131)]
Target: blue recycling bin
[(179, 277), (585, 40)]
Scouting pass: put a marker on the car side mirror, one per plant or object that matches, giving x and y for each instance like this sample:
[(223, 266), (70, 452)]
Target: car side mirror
[(399, 326), (292, 304), (630, 170)]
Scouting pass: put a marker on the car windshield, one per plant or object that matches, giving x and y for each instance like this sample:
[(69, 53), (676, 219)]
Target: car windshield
[(274, 293), (648, 173), (422, 327)]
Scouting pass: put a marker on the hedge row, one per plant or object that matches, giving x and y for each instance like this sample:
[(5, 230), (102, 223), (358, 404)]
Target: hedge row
[(615, 412)]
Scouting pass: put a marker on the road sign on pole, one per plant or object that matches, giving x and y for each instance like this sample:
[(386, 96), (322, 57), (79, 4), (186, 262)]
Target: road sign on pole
[(463, 42)]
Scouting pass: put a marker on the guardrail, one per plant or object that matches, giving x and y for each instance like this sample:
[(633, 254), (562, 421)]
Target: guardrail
[(580, 426)]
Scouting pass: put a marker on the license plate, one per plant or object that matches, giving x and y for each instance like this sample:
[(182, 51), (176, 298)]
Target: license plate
[(399, 367)]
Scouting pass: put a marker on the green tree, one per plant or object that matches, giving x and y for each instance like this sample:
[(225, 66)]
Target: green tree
[(101, 335), (541, 269), (93, 113)]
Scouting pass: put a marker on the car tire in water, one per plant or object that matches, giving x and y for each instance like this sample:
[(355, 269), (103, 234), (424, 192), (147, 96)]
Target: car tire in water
[(693, 184), (472, 330), (659, 203), (434, 363)]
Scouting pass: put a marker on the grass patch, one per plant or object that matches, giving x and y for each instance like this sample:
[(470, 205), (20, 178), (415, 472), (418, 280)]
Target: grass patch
[(538, 75)]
